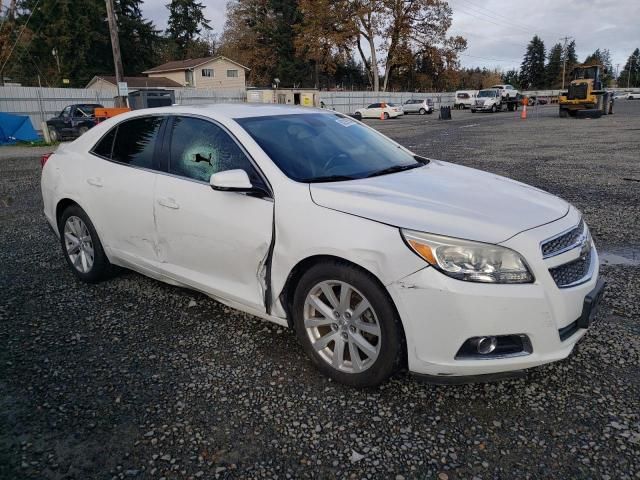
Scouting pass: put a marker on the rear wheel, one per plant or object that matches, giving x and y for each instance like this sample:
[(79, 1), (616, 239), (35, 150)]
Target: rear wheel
[(358, 116), (386, 115), (563, 112), (422, 111), (347, 324), (82, 247)]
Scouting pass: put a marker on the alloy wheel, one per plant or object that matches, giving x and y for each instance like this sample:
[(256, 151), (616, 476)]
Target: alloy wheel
[(79, 244), (342, 326)]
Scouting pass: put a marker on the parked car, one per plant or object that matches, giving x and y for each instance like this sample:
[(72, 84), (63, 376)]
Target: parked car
[(507, 92), (375, 256), (378, 110), (633, 96), (488, 100), (465, 98), (424, 106), (72, 121)]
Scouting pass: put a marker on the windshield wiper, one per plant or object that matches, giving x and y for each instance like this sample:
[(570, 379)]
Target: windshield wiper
[(328, 178), (394, 169)]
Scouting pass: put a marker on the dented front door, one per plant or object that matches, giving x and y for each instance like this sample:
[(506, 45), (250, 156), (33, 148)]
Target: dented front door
[(214, 241)]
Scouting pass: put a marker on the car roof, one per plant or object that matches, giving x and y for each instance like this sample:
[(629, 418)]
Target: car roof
[(231, 110)]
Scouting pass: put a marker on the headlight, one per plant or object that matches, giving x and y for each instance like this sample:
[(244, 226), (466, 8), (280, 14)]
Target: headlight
[(469, 261)]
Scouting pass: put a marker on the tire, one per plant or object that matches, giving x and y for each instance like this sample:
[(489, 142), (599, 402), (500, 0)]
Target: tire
[(430, 111), (493, 109), (386, 115), (53, 135), (82, 131), (563, 112), (473, 110), (358, 116), (75, 223), (381, 354), (422, 111)]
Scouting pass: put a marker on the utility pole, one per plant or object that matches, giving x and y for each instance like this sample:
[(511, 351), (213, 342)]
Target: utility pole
[(564, 58), (115, 46)]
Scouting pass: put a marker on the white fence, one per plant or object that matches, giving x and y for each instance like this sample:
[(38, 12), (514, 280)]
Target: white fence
[(41, 104), (349, 102)]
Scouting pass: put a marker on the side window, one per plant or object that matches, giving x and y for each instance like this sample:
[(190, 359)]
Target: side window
[(136, 140), (104, 147), (200, 148), (66, 112)]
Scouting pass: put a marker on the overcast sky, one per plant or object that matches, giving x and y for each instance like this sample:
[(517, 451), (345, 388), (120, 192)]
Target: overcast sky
[(498, 31)]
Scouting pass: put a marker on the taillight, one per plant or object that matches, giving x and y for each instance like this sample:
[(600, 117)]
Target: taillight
[(44, 158)]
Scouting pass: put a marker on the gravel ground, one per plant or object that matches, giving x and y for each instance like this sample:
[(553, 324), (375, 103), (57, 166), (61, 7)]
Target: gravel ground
[(136, 379)]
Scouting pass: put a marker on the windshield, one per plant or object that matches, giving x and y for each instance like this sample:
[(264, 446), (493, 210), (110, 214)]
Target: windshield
[(585, 73), (487, 93), (318, 147)]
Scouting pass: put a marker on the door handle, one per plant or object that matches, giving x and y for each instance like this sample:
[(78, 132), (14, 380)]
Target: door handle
[(169, 203), (96, 182)]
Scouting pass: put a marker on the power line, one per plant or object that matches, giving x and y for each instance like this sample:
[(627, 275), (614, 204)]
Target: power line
[(16, 42), (529, 28)]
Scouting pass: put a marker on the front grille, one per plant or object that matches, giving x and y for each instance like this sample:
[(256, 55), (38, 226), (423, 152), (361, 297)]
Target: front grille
[(577, 92), (572, 272), (564, 242)]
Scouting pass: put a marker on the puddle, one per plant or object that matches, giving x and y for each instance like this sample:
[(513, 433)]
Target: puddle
[(623, 256)]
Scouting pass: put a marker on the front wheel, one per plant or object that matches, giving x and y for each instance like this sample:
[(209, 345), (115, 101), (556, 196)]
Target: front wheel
[(53, 135), (563, 113), (493, 109), (473, 110), (347, 324), (386, 115)]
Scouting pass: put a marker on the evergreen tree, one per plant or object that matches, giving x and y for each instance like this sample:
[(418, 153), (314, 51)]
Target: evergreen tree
[(554, 67), (630, 75), (532, 71), (186, 23), (139, 38), (571, 59), (511, 77), (603, 58)]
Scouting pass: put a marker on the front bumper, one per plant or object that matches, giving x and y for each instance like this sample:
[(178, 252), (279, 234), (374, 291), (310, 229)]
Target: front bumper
[(440, 314), (484, 108)]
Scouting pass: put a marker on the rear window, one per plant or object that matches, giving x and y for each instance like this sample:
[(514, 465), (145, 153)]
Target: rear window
[(136, 140), (87, 110), (463, 95), (105, 146)]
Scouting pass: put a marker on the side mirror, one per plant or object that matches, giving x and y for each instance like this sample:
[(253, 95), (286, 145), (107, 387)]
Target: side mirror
[(231, 181)]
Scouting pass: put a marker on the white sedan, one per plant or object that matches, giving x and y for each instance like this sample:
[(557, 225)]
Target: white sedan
[(633, 96), (376, 257), (379, 110)]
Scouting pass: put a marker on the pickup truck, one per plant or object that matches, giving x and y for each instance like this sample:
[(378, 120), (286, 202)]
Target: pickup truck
[(496, 98), (72, 121)]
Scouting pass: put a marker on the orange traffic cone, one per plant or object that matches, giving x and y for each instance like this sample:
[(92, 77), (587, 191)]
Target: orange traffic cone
[(382, 115), (523, 114)]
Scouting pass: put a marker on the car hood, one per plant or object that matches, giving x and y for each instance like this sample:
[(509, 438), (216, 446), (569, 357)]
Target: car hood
[(445, 199)]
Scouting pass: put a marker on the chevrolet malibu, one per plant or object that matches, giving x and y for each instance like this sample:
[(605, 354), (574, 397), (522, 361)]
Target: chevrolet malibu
[(379, 259)]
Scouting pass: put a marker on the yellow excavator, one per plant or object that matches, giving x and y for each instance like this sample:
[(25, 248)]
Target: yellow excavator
[(586, 95)]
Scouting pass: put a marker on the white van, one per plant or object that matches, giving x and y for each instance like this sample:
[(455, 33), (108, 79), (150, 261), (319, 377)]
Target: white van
[(465, 98)]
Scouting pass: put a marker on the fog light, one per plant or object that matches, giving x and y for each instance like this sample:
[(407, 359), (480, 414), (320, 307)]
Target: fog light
[(486, 345)]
